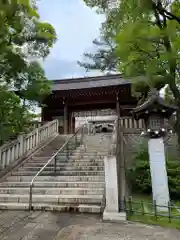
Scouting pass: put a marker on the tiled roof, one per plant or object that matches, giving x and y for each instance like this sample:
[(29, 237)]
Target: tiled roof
[(89, 82)]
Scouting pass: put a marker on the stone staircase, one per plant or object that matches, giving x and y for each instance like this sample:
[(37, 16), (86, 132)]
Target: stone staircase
[(77, 185)]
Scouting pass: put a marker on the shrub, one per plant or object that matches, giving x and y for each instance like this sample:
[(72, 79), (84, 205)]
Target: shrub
[(140, 177)]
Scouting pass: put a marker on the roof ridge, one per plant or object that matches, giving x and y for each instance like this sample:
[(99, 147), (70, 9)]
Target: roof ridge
[(83, 79)]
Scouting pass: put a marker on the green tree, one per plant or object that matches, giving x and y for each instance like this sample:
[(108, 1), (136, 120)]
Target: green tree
[(147, 43), (14, 116), (23, 38), (104, 58), (32, 84)]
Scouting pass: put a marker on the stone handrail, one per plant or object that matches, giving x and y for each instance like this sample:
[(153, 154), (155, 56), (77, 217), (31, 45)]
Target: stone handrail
[(16, 149)]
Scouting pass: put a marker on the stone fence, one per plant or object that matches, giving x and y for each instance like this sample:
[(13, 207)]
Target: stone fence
[(24, 144)]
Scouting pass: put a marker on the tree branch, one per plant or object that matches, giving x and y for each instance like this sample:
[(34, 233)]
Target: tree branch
[(143, 51), (158, 9)]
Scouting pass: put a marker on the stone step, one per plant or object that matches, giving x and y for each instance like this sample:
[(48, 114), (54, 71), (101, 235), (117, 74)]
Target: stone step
[(86, 154), (43, 184), (44, 152), (57, 178), (66, 158), (82, 168), (94, 147), (59, 173), (61, 168), (89, 153), (95, 144), (83, 208), (78, 185), (67, 163), (57, 199), (90, 160), (53, 191), (49, 152), (71, 161), (87, 159), (103, 149)]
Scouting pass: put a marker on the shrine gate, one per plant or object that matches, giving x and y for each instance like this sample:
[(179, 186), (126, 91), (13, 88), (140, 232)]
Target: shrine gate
[(88, 96)]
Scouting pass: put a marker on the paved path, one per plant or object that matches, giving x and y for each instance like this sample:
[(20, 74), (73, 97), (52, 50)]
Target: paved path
[(64, 226)]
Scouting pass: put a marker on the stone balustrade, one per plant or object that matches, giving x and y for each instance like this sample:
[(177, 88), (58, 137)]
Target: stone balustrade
[(16, 149)]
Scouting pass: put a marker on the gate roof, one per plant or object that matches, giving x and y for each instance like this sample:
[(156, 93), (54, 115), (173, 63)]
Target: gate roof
[(89, 82)]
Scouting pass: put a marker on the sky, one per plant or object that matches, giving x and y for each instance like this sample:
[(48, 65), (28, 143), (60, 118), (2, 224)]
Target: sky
[(76, 26)]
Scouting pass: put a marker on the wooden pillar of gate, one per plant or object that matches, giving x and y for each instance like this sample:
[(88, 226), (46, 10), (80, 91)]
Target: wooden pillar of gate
[(69, 123), (73, 124), (65, 116)]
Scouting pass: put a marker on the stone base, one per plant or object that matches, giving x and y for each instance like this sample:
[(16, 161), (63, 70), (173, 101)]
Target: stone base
[(114, 216)]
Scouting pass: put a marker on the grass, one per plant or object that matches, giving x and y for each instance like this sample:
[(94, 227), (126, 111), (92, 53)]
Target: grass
[(143, 211)]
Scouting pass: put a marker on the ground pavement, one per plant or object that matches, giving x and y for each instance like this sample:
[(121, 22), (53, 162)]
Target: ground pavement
[(66, 226)]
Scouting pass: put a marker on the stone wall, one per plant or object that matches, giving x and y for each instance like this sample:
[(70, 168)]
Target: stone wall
[(133, 141)]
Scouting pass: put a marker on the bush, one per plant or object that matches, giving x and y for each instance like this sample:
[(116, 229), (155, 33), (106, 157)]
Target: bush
[(140, 177)]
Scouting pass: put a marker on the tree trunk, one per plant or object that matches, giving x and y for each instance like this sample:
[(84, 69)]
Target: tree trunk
[(177, 127)]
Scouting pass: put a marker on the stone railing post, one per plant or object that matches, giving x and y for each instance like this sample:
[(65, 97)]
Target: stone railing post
[(21, 145), (37, 136), (49, 129), (57, 126)]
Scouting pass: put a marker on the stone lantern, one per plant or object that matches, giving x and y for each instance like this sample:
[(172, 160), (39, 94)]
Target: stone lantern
[(154, 111)]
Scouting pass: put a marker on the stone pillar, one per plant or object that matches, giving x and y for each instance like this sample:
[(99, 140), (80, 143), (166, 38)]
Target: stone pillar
[(65, 118), (159, 178), (118, 144), (120, 158), (111, 211)]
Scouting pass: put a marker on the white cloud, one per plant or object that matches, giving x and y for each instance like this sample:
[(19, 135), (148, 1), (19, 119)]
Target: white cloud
[(76, 26)]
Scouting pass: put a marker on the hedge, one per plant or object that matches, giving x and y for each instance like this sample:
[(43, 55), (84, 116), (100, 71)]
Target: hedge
[(140, 177)]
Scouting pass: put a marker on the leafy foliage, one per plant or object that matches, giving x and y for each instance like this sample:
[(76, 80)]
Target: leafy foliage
[(103, 59), (140, 177), (147, 39), (34, 85), (23, 38), (14, 116)]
